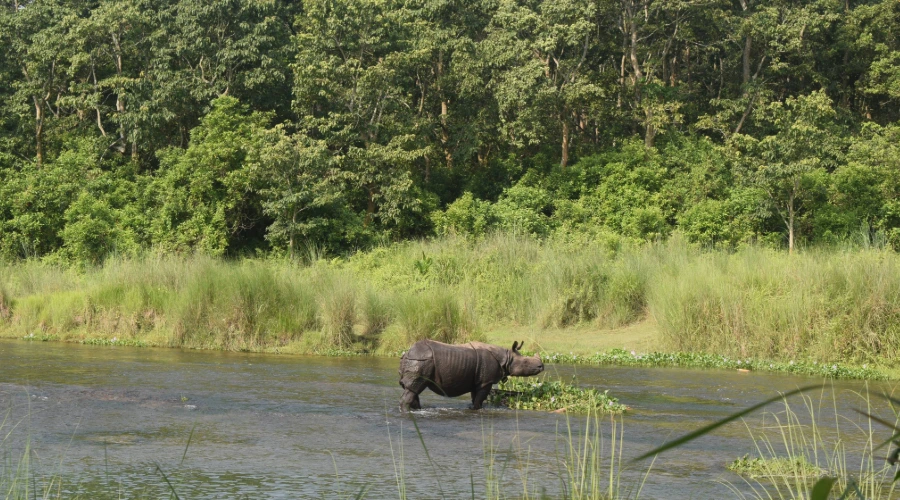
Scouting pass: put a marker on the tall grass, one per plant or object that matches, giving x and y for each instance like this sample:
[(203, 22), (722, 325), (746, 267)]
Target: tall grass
[(18, 478), (850, 453), (588, 464), (823, 305)]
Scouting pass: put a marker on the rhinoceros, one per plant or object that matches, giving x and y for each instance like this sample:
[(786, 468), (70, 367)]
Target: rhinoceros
[(453, 370)]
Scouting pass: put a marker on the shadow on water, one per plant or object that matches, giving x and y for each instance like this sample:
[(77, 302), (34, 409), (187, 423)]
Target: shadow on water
[(270, 426)]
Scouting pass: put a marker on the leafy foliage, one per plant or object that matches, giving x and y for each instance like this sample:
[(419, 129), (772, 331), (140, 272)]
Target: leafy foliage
[(553, 395), (256, 127)]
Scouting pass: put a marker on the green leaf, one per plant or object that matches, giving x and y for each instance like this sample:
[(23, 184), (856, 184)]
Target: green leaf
[(822, 488)]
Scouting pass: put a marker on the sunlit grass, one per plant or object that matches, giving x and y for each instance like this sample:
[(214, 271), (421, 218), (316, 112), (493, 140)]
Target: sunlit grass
[(825, 306)]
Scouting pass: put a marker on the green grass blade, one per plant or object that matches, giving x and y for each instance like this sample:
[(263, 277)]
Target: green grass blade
[(822, 488), (166, 479), (362, 492), (885, 423), (188, 445), (428, 455), (709, 428)]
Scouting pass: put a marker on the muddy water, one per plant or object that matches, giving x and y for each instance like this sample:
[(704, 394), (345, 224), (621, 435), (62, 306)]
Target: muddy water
[(112, 422)]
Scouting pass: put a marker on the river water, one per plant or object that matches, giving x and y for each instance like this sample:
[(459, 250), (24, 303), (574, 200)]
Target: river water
[(120, 422)]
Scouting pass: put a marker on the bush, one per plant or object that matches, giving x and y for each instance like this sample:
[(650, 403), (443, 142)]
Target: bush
[(92, 231), (525, 210), (467, 216)]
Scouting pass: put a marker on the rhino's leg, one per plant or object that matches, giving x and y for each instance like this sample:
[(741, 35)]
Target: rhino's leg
[(479, 396), (410, 401), (412, 387)]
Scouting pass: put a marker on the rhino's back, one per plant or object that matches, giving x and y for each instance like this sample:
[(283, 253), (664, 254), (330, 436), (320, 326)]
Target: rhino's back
[(457, 369)]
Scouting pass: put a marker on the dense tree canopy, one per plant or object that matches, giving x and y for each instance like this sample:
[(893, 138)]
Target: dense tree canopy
[(242, 126)]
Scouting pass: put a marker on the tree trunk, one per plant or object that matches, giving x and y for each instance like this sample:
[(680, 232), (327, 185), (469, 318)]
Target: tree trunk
[(791, 234), (39, 130), (790, 220), (293, 225), (445, 130), (650, 130), (445, 136), (370, 207), (748, 43), (565, 145)]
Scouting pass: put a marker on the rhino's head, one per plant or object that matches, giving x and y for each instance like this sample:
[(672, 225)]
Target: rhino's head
[(523, 366)]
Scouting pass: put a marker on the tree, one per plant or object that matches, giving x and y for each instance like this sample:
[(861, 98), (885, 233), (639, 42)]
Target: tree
[(800, 145), (205, 194), (351, 91), (301, 188), (35, 35), (542, 54)]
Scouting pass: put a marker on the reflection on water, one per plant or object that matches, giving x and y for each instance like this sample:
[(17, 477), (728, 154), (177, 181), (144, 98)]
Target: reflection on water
[(112, 420)]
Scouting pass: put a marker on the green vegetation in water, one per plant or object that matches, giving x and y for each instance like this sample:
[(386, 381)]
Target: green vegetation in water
[(621, 357), (553, 395), (116, 341), (800, 459), (763, 468)]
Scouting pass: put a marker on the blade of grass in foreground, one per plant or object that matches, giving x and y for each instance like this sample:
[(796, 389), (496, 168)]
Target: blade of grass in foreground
[(715, 425), (428, 455)]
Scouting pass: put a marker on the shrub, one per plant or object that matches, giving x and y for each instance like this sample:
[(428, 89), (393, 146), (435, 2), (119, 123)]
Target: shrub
[(467, 216)]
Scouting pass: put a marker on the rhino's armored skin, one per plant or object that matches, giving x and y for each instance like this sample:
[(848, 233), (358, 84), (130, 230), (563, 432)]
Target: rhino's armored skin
[(453, 370)]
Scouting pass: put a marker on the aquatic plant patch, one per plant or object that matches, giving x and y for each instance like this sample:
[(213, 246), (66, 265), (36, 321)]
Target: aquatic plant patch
[(115, 341), (552, 395), (40, 338), (763, 468), (621, 357)]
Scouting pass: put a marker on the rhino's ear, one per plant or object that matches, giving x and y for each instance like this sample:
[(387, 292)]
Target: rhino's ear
[(516, 346)]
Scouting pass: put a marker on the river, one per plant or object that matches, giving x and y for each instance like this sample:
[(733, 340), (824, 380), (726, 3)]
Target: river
[(118, 422)]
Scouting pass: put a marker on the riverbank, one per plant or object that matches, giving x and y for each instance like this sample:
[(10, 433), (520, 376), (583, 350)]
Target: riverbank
[(564, 298)]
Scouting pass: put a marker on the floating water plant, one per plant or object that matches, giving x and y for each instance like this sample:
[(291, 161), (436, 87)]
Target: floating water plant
[(553, 395), (621, 357), (771, 468)]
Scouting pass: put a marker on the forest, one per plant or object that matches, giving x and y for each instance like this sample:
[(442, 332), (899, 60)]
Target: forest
[(270, 127)]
